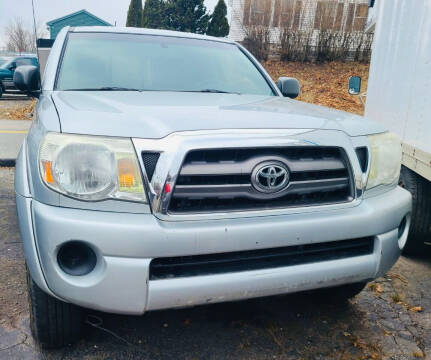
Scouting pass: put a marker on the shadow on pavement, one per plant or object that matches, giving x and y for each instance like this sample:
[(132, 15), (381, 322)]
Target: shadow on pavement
[(288, 327)]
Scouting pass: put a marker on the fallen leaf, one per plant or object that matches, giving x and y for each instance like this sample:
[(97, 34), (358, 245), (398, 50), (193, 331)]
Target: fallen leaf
[(416, 309), (376, 287), (399, 277)]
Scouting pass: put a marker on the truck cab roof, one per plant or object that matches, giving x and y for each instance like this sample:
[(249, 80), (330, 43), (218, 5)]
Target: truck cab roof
[(143, 31)]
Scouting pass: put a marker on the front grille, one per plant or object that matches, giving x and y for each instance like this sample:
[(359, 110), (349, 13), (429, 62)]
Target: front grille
[(220, 179), (198, 265)]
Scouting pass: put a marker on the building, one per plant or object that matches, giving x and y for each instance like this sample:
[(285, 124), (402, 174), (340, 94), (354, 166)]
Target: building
[(79, 18), (373, 12), (297, 15)]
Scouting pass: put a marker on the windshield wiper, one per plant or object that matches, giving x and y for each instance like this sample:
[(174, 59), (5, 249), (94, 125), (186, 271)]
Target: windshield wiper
[(117, 88), (216, 91), (105, 88)]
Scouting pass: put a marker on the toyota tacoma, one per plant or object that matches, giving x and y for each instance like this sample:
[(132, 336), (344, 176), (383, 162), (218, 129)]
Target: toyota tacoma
[(167, 170)]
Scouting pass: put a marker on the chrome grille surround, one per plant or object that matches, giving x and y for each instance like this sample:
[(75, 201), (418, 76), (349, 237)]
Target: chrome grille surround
[(174, 147)]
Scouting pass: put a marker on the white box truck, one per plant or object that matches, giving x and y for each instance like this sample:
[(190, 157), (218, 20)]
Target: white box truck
[(399, 96)]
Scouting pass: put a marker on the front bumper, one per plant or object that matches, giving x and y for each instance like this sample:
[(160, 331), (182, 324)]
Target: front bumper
[(126, 243)]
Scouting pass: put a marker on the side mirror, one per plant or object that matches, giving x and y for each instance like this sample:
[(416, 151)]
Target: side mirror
[(355, 85), (27, 79), (12, 66), (289, 87)]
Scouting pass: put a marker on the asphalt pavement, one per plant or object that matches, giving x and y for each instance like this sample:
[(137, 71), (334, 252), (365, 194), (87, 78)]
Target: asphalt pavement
[(12, 134), (390, 319)]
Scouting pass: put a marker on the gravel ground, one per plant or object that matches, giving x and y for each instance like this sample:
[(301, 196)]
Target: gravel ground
[(383, 322)]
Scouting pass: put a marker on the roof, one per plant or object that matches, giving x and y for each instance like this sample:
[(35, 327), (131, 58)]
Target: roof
[(44, 43), (144, 31), (83, 11)]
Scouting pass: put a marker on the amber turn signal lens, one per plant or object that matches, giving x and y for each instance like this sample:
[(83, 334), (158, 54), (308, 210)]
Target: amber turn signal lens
[(126, 176), (48, 172)]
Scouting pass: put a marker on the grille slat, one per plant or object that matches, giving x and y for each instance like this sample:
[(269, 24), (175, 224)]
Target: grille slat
[(220, 179), (247, 190), (198, 265), (238, 168)]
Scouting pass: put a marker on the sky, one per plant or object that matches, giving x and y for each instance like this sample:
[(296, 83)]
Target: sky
[(113, 11)]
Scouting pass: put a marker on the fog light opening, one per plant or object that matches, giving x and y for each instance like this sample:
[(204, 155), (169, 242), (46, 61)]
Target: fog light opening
[(76, 258), (403, 231)]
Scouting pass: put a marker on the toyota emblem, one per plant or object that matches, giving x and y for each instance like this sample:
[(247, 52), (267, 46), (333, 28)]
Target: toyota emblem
[(270, 176)]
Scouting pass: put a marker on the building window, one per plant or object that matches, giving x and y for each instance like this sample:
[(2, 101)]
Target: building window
[(356, 17), (246, 14), (328, 15), (350, 17), (297, 15), (361, 14), (257, 12), (287, 13), (338, 24)]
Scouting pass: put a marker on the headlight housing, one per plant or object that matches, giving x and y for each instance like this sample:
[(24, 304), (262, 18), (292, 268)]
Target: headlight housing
[(386, 156), (91, 168)]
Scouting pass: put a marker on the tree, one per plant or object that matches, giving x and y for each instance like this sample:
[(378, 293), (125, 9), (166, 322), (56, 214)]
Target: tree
[(134, 15), (219, 25), (186, 15), (19, 38), (153, 15)]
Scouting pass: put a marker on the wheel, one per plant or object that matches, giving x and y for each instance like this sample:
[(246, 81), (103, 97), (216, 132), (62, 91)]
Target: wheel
[(53, 323), (420, 228), (342, 293)]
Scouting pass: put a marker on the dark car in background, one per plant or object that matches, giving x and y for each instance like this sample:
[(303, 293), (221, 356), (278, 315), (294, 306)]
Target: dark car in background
[(7, 69)]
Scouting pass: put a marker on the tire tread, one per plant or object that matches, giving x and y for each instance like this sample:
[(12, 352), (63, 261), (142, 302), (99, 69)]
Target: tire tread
[(53, 323), (420, 228)]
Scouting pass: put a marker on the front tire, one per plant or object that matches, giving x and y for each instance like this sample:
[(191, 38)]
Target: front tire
[(420, 228), (53, 322)]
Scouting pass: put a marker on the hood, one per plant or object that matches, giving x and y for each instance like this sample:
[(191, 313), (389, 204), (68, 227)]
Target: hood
[(157, 114)]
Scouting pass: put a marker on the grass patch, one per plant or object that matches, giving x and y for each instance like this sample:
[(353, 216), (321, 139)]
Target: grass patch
[(397, 298)]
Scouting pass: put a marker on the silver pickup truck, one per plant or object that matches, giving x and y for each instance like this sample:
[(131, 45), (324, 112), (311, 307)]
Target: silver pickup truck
[(167, 170)]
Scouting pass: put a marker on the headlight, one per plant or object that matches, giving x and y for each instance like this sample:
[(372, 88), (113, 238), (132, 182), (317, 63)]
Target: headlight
[(91, 168), (386, 157)]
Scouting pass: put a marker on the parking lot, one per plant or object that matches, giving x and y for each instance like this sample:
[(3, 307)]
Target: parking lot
[(391, 319)]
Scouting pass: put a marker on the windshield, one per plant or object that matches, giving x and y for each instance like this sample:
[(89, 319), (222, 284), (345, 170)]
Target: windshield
[(107, 61), (5, 62)]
